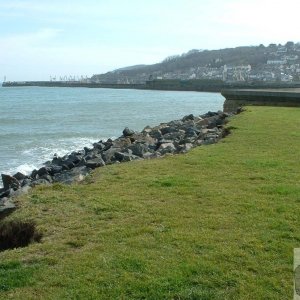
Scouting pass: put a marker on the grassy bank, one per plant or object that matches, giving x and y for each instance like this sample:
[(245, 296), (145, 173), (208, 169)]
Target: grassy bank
[(220, 222)]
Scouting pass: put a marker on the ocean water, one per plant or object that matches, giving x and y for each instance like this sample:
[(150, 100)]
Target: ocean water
[(37, 122)]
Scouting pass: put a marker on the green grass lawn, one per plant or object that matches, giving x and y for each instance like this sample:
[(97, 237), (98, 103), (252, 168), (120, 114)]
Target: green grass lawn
[(220, 222)]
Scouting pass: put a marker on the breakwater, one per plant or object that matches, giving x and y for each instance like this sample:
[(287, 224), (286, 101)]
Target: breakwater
[(198, 85), (177, 136), (71, 84)]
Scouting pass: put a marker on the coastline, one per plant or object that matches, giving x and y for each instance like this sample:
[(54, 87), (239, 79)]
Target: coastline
[(174, 137), (220, 210)]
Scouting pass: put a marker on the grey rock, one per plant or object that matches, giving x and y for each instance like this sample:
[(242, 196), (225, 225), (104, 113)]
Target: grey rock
[(127, 132), (19, 176), (20, 191), (109, 155), (39, 182), (4, 194), (99, 146), (198, 142), (43, 171), (174, 135), (148, 155), (167, 129), (167, 148), (74, 158), (175, 123), (54, 169), (122, 143), (34, 174), (47, 177), (26, 182), (139, 149), (122, 157), (6, 206), (147, 129), (156, 133), (188, 117), (57, 161), (69, 163), (209, 114), (192, 131), (10, 182), (77, 174), (187, 147), (189, 140), (95, 163)]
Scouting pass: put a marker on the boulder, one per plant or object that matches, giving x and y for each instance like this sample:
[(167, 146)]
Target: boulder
[(167, 148), (167, 129), (121, 143), (209, 114), (99, 146), (148, 155), (77, 174), (57, 161), (109, 155), (187, 147), (54, 169), (47, 177), (19, 176), (6, 206), (175, 123), (4, 194), (127, 132), (75, 158), (43, 171), (139, 149), (145, 138), (155, 133), (188, 118), (122, 157), (34, 174), (26, 182), (147, 129), (39, 182), (69, 163), (10, 182), (20, 191), (95, 163)]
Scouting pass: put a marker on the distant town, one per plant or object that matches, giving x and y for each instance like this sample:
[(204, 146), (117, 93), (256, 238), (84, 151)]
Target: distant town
[(273, 63)]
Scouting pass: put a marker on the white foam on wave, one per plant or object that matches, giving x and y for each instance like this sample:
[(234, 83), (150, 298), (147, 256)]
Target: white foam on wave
[(25, 168), (60, 147), (35, 157)]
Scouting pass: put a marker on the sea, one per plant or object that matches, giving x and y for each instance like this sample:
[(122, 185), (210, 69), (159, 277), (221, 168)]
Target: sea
[(38, 122)]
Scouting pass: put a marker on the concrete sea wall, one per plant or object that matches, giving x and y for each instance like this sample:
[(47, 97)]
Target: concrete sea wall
[(264, 97)]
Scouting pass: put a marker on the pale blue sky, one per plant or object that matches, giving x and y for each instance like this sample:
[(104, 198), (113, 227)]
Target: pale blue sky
[(43, 38)]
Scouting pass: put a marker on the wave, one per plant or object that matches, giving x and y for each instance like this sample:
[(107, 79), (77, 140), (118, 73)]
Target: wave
[(35, 157)]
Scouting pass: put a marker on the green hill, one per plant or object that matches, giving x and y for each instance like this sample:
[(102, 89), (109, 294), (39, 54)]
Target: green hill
[(273, 63)]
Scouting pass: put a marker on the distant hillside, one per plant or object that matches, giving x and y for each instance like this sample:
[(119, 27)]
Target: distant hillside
[(250, 63)]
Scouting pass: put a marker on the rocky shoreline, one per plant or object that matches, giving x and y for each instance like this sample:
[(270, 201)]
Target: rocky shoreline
[(174, 137)]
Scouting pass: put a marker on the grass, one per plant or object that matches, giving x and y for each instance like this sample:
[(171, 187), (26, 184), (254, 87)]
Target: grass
[(220, 222)]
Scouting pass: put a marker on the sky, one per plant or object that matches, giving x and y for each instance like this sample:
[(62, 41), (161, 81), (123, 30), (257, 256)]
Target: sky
[(39, 39)]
